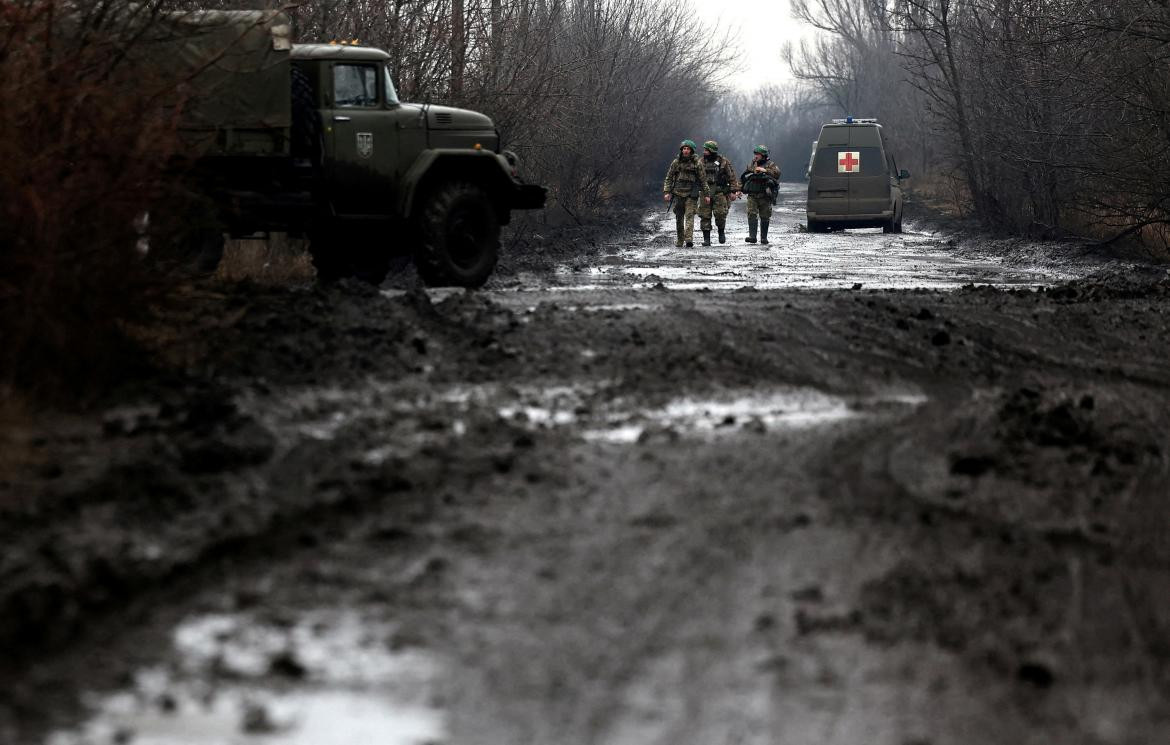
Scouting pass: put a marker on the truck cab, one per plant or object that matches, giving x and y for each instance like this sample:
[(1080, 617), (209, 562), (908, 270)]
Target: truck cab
[(312, 139)]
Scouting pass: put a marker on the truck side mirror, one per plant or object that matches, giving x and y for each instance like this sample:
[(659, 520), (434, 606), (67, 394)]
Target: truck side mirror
[(903, 174)]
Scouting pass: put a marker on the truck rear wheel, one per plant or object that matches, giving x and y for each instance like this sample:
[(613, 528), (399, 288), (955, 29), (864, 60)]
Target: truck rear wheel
[(339, 253), (328, 257), (185, 236), (459, 237)]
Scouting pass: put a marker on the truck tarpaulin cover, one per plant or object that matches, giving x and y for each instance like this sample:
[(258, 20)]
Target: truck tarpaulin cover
[(235, 71)]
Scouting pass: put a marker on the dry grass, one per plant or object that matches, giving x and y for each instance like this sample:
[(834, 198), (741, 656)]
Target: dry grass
[(943, 193), (278, 260)]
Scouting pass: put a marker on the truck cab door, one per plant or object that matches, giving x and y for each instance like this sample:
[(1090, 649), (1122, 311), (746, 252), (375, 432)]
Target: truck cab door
[(361, 139)]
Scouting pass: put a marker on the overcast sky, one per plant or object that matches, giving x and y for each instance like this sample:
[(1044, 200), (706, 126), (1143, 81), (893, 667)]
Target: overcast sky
[(760, 28)]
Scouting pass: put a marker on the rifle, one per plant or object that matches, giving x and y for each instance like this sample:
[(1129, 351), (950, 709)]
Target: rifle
[(670, 203)]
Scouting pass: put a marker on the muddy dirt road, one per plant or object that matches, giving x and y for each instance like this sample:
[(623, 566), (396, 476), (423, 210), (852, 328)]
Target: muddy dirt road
[(826, 492)]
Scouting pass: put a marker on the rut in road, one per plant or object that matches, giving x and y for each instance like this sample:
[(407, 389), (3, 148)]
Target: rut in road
[(623, 514)]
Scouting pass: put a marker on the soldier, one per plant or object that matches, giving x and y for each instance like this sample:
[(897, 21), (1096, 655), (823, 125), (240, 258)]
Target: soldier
[(685, 183), (721, 178), (759, 183)]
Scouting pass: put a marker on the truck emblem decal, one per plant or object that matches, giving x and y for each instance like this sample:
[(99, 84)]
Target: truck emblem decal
[(365, 145), (849, 162)]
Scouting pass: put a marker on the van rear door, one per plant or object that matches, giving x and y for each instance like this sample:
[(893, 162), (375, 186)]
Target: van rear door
[(869, 180), (828, 190)]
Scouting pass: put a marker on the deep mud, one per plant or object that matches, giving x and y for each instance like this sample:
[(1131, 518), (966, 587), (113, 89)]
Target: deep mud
[(851, 488)]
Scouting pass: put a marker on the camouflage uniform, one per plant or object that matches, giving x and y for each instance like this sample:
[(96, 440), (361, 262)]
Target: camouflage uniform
[(760, 190), (721, 177), (687, 181)]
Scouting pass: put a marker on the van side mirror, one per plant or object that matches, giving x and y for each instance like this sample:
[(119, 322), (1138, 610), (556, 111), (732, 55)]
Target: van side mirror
[(903, 174)]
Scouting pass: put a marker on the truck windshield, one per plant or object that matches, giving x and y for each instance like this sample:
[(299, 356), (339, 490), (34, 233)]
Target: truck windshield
[(391, 94)]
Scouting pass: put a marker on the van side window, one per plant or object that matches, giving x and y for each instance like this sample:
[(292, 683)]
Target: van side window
[(355, 85)]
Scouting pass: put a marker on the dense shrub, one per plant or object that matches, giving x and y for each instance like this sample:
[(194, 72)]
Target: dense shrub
[(84, 152)]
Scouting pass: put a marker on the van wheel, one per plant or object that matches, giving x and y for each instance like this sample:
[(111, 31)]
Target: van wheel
[(459, 237), (817, 227)]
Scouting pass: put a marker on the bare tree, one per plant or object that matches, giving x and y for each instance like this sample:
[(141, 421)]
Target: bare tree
[(586, 91), (1052, 113)]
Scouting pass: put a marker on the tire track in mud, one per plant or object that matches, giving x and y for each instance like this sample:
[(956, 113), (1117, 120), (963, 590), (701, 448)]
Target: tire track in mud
[(709, 581)]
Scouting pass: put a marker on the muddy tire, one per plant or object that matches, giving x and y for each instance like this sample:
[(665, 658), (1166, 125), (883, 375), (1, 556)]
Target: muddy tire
[(817, 227), (458, 237), (371, 262), (185, 237)]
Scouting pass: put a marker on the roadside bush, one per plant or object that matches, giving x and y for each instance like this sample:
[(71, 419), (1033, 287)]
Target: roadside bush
[(84, 151)]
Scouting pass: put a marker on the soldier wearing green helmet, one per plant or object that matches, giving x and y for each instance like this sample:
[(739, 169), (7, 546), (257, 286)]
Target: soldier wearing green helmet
[(724, 184), (760, 182), (686, 183)]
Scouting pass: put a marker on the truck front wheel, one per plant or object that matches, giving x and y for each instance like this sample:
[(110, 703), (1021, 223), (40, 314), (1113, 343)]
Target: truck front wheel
[(459, 237)]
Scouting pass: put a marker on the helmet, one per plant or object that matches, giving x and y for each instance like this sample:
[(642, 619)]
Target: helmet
[(690, 144), (761, 149), (711, 145)]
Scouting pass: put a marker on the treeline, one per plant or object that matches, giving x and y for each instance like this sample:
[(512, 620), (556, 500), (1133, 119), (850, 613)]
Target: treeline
[(1046, 117), (590, 94), (784, 119)]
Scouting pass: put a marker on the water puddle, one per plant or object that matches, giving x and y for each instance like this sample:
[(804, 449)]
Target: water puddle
[(795, 259), (394, 420), (758, 412), (324, 679)]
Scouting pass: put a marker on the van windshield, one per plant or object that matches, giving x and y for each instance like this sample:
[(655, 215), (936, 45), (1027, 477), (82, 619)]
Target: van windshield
[(826, 162)]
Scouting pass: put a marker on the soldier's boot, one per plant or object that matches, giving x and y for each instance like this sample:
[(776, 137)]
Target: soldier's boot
[(764, 232), (722, 227), (752, 219), (706, 237), (678, 229)]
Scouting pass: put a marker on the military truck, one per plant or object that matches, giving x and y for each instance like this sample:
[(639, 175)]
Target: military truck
[(311, 139), (854, 181)]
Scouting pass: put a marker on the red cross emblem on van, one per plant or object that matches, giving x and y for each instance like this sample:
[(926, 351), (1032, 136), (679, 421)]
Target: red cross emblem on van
[(849, 162)]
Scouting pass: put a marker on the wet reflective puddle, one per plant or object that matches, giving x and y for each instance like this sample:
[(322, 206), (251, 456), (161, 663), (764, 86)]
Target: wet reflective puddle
[(795, 259), (324, 679), (727, 414)]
